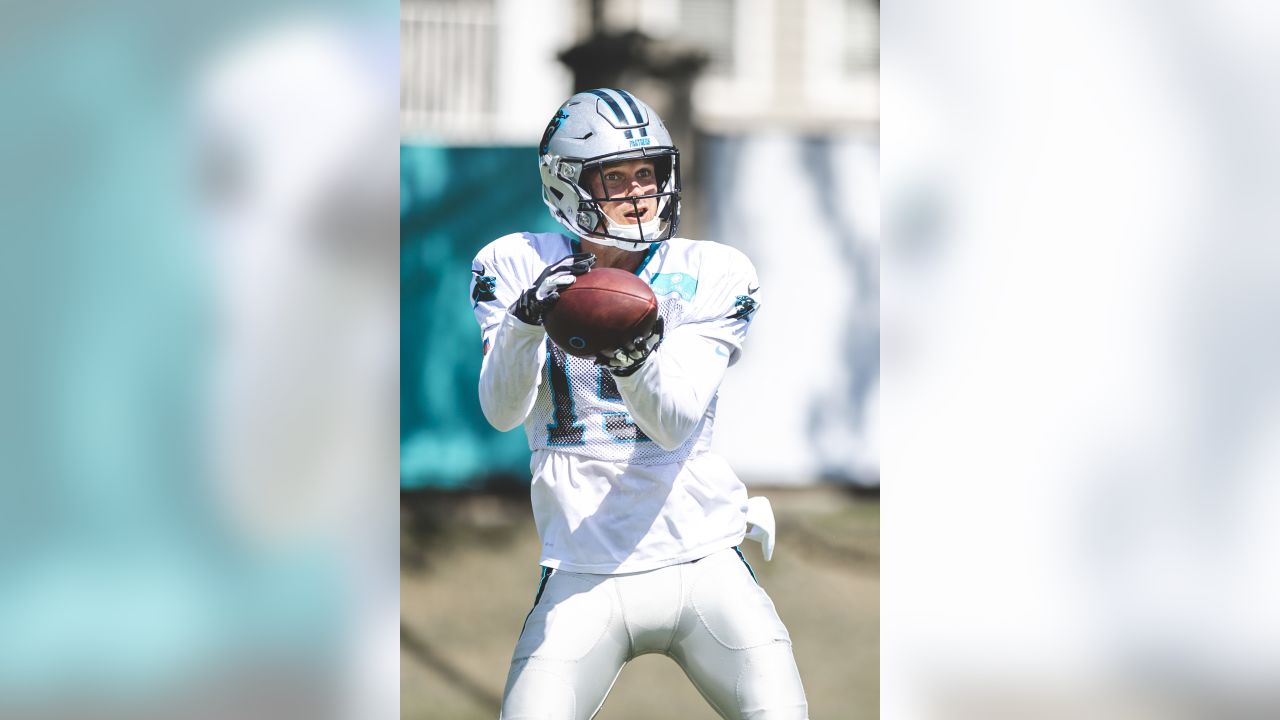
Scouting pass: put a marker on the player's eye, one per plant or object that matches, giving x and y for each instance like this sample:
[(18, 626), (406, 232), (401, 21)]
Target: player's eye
[(613, 178), (644, 173)]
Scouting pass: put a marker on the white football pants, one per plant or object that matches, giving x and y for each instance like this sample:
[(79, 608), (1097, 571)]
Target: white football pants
[(709, 616)]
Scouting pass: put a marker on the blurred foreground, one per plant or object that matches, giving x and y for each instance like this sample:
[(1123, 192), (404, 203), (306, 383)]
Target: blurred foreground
[(469, 570), (1082, 410), (197, 388)]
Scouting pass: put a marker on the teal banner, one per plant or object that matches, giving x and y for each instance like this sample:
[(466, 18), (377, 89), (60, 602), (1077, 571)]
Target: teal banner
[(454, 201)]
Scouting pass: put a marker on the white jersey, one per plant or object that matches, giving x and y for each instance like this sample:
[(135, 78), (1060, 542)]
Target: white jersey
[(623, 479)]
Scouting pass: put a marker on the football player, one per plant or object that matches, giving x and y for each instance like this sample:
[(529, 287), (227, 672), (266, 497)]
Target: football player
[(640, 523)]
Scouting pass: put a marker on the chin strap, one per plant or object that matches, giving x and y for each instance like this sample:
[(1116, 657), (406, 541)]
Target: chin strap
[(633, 232), (628, 237)]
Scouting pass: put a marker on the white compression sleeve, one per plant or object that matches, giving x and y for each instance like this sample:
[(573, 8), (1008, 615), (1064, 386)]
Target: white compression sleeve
[(670, 393), (510, 373)]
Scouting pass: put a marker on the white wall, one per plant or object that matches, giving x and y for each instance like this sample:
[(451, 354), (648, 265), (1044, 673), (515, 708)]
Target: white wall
[(803, 401)]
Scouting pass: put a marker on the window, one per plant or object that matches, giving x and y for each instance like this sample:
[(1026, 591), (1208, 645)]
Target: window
[(446, 66)]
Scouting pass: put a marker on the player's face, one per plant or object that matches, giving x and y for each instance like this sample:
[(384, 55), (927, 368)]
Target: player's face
[(627, 178)]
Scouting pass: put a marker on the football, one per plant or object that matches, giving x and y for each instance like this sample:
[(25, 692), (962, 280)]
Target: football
[(602, 310)]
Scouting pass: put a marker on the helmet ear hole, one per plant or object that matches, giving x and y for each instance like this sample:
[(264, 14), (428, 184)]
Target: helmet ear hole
[(559, 195)]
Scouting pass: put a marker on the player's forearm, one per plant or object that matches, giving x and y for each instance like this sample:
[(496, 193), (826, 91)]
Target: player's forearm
[(510, 372), (668, 396)]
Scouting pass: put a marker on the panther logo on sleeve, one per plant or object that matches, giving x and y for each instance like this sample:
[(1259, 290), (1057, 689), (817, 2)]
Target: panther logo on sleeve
[(485, 285), (745, 306)]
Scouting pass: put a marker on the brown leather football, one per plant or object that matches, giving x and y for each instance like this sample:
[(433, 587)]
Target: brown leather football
[(602, 310)]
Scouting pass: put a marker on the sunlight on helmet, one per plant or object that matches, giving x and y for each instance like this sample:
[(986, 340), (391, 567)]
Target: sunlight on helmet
[(591, 135)]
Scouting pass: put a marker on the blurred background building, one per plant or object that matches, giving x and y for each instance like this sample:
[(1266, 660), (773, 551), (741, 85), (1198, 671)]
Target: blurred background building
[(775, 108)]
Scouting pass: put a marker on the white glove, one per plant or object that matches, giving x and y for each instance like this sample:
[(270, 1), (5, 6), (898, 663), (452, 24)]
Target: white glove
[(534, 303), (552, 284), (760, 525)]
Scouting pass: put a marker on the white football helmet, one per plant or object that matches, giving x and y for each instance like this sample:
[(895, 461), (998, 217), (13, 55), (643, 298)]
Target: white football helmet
[(591, 130)]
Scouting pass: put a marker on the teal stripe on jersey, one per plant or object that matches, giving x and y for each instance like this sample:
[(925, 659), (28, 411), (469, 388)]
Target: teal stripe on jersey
[(653, 249), (575, 245)]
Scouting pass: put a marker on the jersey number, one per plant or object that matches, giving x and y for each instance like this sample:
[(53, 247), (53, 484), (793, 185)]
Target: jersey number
[(566, 428)]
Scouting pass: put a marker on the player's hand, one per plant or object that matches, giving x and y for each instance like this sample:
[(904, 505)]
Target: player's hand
[(628, 358), (534, 303)]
